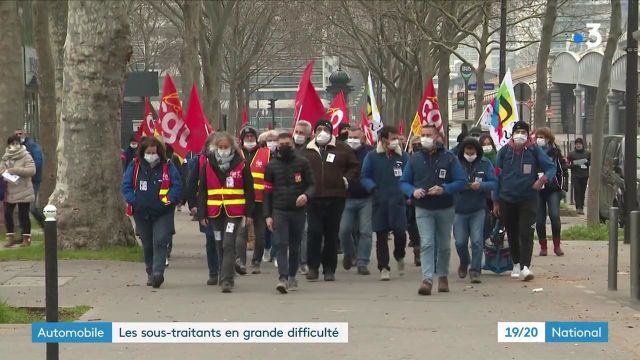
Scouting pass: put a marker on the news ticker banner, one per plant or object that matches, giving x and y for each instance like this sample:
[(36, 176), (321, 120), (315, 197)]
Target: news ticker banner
[(553, 332), (190, 332)]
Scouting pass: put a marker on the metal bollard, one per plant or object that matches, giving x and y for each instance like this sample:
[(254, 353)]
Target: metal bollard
[(613, 249), (571, 199), (51, 273), (634, 228)]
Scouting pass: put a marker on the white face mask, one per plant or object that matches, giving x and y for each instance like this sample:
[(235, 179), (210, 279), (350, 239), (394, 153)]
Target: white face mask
[(354, 143), (487, 148), (250, 145), (224, 152), (299, 139), (152, 158), (427, 142), (470, 158), (520, 139), (393, 144), (133, 145), (541, 142), (272, 145), (323, 137)]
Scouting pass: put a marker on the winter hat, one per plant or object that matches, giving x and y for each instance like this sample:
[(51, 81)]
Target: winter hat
[(579, 141), (476, 130), (323, 122), (342, 126), (521, 125), (248, 130)]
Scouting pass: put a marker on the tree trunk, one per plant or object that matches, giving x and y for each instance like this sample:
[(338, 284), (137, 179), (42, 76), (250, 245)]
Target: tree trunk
[(443, 90), (91, 210), (593, 213), (47, 97), (482, 66), (543, 58), (58, 33), (11, 71), (189, 60)]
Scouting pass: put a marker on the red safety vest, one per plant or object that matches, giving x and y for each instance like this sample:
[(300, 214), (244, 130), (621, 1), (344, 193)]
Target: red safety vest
[(258, 167), (164, 186), (230, 194)]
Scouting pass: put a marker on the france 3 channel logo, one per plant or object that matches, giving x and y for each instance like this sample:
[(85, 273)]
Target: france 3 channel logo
[(553, 332)]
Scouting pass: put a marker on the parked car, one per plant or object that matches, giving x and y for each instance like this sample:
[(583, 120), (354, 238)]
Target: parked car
[(612, 187)]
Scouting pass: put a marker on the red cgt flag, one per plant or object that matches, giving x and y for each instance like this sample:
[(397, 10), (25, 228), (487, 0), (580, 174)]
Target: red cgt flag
[(401, 128), (138, 134), (428, 109), (148, 126), (308, 105), (245, 117), (197, 123), (172, 126), (366, 127), (338, 112)]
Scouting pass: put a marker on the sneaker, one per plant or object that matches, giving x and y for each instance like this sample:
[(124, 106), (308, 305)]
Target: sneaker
[(275, 263), (443, 284), (226, 287), (255, 269), (346, 262), (157, 280), (401, 267), (213, 279), (462, 271), (266, 256), (304, 269), (166, 262), (425, 288), (362, 270), (474, 276), (282, 287), (313, 275), (329, 277), (527, 275), (580, 212), (515, 273), (240, 268), (385, 275), (293, 284), (149, 280)]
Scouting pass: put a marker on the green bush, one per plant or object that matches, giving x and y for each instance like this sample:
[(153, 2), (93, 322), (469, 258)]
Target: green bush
[(582, 232)]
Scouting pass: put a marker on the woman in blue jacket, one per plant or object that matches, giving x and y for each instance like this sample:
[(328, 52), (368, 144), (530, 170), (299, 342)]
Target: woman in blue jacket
[(152, 185), (471, 207)]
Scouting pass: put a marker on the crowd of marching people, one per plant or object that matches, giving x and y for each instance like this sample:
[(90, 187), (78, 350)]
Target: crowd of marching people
[(314, 192)]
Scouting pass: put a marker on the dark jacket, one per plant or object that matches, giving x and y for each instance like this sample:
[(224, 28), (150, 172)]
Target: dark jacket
[(334, 166), (356, 189), (249, 193), (250, 154), (559, 181), (518, 171), (480, 170), (147, 204), (285, 180), (381, 174), (579, 167), (35, 151), (425, 170), (191, 190)]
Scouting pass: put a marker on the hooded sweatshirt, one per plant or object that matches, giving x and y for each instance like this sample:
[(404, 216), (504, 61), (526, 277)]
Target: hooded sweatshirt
[(480, 170)]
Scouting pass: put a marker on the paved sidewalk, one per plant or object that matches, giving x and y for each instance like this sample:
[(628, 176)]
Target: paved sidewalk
[(387, 320)]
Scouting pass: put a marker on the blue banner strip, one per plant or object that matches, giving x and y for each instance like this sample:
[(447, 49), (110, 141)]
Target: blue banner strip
[(77, 332), (576, 332)]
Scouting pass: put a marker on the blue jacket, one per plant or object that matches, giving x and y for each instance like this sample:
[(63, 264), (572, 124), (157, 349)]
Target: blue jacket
[(191, 191), (518, 172), (426, 170), (356, 189), (35, 151), (147, 204), (469, 201), (381, 175)]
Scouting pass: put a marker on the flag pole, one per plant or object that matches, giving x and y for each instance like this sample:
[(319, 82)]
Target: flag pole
[(406, 146)]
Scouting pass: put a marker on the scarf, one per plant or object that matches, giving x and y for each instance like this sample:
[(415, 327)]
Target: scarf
[(10, 156), (224, 162)]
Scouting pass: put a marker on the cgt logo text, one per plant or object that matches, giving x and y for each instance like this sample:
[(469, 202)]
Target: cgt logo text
[(577, 332)]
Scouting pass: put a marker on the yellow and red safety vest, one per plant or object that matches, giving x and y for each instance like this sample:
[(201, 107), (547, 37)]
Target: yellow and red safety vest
[(258, 167), (165, 185), (230, 194)]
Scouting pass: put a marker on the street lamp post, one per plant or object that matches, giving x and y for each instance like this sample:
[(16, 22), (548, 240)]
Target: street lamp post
[(503, 39)]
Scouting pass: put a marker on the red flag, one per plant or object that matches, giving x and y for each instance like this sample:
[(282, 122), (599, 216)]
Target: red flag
[(196, 122), (428, 109), (401, 128), (308, 105), (138, 134), (173, 129), (148, 125), (245, 117), (338, 112), (366, 127), (269, 125)]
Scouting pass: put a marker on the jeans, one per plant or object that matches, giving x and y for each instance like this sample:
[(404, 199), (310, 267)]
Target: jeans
[(465, 226), (519, 220), (382, 247), (212, 255), (155, 235), (324, 224), (23, 216), (35, 211), (551, 201), (579, 189), (435, 241), (357, 211), (259, 228), (225, 230), (287, 234)]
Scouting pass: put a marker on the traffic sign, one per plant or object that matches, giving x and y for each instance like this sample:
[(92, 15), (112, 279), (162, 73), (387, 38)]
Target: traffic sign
[(487, 86), (466, 70), (522, 91), (460, 98)]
